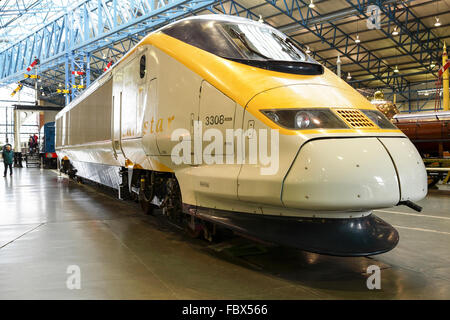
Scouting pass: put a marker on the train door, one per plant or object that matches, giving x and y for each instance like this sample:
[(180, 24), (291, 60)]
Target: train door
[(64, 129), (116, 117), (256, 171), (134, 98), (150, 103), (216, 112), (178, 101), (218, 116), (148, 122)]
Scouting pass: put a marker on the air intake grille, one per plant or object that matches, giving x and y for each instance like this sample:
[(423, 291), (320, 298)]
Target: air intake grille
[(355, 118)]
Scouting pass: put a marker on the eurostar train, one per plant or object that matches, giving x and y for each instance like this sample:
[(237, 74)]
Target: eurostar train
[(339, 158)]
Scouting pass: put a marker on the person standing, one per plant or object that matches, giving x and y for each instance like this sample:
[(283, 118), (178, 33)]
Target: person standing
[(36, 142), (30, 144), (8, 158)]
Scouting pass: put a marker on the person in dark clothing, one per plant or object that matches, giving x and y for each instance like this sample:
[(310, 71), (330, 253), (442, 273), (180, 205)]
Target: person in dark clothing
[(36, 142), (8, 158), (30, 144)]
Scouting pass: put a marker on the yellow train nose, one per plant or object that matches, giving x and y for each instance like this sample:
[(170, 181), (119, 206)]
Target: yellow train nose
[(343, 174)]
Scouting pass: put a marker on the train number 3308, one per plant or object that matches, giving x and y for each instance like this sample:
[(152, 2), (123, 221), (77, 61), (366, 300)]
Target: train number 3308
[(215, 119)]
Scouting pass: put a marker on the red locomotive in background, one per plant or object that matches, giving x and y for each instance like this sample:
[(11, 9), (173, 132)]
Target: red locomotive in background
[(430, 133)]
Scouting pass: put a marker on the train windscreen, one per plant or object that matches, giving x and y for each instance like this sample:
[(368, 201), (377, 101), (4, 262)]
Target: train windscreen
[(257, 45)]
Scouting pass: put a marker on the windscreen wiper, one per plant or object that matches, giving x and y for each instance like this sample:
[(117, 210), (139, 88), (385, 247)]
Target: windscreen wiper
[(288, 42), (244, 41)]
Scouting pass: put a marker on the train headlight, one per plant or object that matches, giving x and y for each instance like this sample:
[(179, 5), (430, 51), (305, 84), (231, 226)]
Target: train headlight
[(379, 119), (273, 116), (301, 119)]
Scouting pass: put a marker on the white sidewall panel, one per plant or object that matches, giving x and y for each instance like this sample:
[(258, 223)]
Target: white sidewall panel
[(410, 168)]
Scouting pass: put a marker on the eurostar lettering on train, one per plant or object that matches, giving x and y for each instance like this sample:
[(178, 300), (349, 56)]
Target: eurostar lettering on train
[(339, 158)]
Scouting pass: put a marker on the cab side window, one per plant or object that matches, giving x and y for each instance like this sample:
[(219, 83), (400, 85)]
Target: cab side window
[(142, 67)]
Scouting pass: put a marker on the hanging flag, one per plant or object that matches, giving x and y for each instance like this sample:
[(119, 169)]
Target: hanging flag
[(19, 87), (108, 66), (31, 76), (63, 91), (33, 64), (78, 73)]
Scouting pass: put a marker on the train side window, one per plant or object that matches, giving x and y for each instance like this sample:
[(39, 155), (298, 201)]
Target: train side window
[(142, 67)]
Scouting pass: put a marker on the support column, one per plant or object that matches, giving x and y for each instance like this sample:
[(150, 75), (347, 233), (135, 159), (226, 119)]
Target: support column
[(72, 78), (88, 70), (445, 83), (17, 124), (338, 66), (67, 77), (17, 145), (409, 98)]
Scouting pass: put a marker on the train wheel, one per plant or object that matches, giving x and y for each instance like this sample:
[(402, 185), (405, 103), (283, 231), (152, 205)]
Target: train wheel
[(194, 234), (192, 227), (433, 180), (72, 173), (147, 207), (172, 204), (65, 166), (147, 193), (196, 228)]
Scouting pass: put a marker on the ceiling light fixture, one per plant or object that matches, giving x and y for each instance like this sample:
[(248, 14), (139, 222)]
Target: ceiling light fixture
[(349, 76), (437, 23), (396, 69), (357, 40), (395, 32), (427, 92), (432, 65), (308, 51), (311, 4)]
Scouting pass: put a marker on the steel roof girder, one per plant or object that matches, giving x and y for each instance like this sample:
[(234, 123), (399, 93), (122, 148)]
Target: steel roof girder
[(390, 14), (275, 4), (421, 30)]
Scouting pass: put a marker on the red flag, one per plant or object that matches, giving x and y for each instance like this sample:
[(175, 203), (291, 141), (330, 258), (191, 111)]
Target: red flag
[(33, 64), (108, 66), (78, 73)]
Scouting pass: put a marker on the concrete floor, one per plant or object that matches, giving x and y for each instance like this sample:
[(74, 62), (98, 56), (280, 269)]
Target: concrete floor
[(48, 223)]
